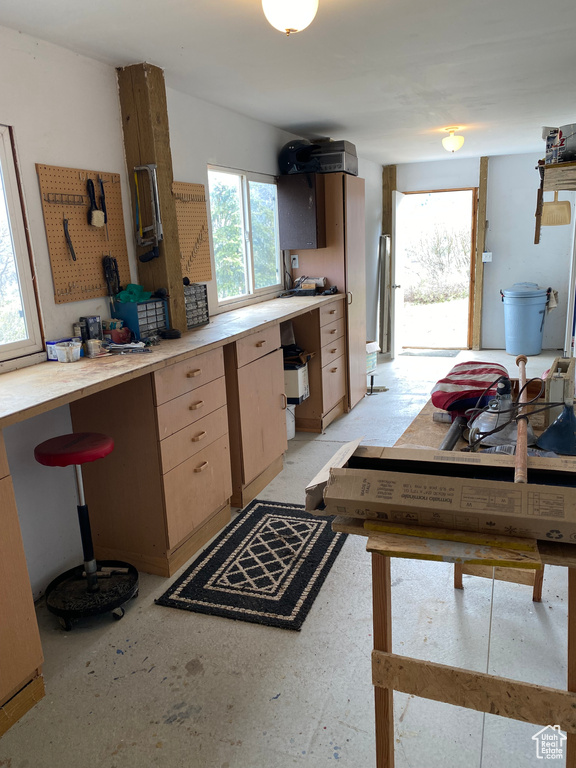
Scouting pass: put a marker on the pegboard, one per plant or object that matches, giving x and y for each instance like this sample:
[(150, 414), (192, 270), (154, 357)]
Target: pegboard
[(192, 217), (64, 196)]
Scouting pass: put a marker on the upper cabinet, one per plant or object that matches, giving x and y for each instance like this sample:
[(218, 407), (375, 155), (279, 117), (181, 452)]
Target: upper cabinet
[(301, 217)]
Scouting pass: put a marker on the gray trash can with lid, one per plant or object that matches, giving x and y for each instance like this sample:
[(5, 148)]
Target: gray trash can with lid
[(524, 313)]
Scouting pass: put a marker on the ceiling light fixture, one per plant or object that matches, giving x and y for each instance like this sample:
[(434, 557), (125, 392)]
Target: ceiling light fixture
[(290, 15), (452, 143)]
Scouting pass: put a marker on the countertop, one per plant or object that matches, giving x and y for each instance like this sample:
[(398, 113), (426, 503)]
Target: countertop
[(42, 387)]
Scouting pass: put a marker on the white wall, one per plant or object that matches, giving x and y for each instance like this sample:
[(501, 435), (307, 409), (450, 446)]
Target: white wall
[(65, 111), (511, 202), (512, 187)]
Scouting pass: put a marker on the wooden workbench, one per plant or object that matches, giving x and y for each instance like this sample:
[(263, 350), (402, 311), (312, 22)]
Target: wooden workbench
[(448, 684)]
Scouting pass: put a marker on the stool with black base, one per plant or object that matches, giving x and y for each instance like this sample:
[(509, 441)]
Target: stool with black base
[(93, 587)]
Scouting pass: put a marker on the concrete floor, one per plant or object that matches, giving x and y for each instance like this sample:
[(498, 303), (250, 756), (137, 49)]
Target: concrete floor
[(181, 690)]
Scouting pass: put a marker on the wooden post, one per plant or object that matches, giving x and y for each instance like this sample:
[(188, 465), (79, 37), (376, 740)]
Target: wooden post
[(147, 140), (479, 266), (382, 623), (571, 743)]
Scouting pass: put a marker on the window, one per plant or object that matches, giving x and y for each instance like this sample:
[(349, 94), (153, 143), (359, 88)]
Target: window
[(19, 327), (244, 212)]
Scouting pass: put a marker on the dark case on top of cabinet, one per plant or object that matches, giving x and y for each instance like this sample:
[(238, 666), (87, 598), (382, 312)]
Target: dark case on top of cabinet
[(301, 216)]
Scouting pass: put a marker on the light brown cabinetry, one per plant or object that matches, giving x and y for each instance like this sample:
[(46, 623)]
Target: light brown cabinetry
[(322, 332), (165, 489), (256, 411), (21, 684), (343, 263)]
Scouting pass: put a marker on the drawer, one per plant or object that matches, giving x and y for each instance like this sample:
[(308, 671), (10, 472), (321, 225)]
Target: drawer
[(333, 383), (191, 407), (331, 312), (190, 374), (331, 332), (257, 345), (195, 489), (332, 351), (192, 439)]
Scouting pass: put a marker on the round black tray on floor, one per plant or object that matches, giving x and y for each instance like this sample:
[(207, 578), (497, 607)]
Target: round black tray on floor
[(68, 598)]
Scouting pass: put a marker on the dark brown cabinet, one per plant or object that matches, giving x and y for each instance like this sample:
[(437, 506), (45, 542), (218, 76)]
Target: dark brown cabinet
[(301, 217)]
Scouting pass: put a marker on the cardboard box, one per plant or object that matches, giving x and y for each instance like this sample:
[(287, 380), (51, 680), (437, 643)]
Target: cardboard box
[(296, 384), (442, 489)]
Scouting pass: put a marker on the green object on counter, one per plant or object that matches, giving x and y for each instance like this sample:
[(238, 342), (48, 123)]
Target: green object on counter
[(133, 293)]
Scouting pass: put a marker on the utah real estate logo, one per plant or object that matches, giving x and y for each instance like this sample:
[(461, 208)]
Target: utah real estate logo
[(550, 743)]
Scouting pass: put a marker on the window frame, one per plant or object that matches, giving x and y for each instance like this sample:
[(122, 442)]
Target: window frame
[(33, 344), (253, 295)]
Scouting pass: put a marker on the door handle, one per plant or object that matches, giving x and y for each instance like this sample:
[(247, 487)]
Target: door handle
[(350, 297), (285, 401)]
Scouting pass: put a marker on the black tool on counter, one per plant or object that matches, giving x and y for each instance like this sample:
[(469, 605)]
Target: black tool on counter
[(96, 217), (112, 277), (68, 238), (170, 333)]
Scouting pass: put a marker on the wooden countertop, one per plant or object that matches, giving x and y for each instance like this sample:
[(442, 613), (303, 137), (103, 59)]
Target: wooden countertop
[(39, 388)]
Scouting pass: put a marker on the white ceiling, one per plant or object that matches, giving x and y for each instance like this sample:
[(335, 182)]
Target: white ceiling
[(387, 75)]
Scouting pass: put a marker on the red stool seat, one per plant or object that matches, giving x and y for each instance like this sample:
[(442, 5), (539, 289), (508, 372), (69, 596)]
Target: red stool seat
[(77, 448)]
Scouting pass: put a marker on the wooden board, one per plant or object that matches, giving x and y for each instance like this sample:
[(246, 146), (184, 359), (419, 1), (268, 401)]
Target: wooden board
[(501, 696), (192, 218), (515, 575), (478, 264), (64, 196), (415, 548), (559, 176)]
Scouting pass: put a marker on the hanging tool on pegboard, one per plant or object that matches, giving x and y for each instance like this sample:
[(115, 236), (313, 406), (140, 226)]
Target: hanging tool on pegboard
[(148, 234)]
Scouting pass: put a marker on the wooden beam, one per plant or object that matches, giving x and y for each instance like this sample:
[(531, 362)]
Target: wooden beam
[(479, 266), (147, 140), (501, 696), (388, 187), (382, 627), (414, 548)]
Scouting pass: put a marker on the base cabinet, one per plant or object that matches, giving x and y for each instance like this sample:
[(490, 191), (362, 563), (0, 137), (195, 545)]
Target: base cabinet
[(21, 684), (165, 488), (322, 332), (256, 411)]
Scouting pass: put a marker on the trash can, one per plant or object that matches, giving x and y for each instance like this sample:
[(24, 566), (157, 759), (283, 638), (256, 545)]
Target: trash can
[(524, 313)]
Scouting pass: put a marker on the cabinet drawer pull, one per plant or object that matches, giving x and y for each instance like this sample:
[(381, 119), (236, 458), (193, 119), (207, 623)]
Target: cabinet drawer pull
[(333, 370), (195, 372), (261, 343), (199, 436), (195, 406), (332, 351), (333, 330), (332, 312), (202, 467), (285, 401)]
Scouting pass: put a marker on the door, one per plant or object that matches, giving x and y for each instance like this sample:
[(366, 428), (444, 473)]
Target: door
[(355, 258), (262, 414)]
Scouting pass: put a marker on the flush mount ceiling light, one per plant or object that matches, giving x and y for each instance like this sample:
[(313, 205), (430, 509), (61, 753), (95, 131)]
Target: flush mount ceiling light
[(452, 143), (290, 15)]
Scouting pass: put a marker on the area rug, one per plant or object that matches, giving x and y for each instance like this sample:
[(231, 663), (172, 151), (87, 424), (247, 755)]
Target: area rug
[(267, 567), (431, 352)]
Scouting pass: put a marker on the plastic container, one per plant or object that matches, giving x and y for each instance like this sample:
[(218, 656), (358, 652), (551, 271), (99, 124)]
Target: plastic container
[(290, 421), (524, 314), (68, 351)]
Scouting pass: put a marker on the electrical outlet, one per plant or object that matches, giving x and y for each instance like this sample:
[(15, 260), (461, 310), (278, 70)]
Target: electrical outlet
[(294, 261), (487, 256)]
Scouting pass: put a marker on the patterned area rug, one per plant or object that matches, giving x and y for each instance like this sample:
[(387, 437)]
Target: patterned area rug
[(267, 567)]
